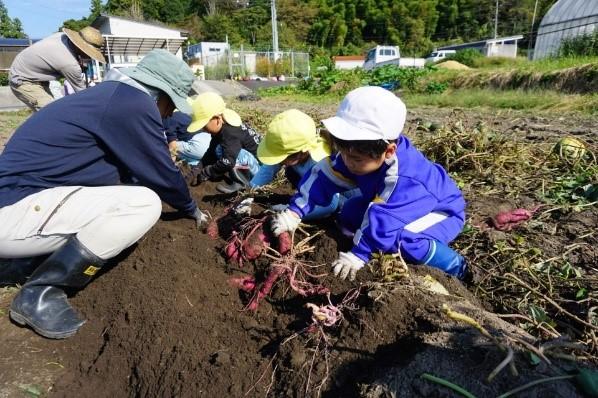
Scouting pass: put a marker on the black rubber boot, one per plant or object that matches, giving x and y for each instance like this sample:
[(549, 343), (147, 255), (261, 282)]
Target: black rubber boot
[(16, 271), (42, 304), (240, 179)]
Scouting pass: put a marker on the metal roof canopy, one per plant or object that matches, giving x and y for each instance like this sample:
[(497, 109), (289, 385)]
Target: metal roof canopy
[(122, 45)]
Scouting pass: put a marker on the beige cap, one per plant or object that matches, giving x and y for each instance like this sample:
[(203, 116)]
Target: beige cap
[(89, 40)]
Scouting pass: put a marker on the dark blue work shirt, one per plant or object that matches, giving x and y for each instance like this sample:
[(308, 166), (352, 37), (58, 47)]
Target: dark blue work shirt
[(98, 137)]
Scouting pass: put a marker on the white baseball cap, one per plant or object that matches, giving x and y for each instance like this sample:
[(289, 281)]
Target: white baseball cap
[(368, 113)]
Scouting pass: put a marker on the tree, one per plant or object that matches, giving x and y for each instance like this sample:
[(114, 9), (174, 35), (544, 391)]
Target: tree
[(8, 27)]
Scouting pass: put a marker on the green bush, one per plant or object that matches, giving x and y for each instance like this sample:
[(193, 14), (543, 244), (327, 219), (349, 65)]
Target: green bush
[(466, 57), (586, 45), (3, 79), (435, 87), (498, 62), (343, 81)]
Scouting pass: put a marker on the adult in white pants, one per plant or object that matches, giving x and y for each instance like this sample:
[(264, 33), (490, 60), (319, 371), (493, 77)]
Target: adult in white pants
[(66, 185)]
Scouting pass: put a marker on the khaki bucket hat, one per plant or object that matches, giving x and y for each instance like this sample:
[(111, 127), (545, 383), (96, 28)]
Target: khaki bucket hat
[(164, 71), (89, 40)]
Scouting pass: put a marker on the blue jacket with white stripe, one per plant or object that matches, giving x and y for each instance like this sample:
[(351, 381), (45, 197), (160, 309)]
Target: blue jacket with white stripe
[(407, 187)]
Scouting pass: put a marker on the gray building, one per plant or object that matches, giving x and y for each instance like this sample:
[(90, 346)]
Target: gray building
[(566, 19), (499, 47), (9, 48)]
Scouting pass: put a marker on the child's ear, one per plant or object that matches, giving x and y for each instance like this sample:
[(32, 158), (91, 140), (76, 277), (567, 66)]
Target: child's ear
[(391, 149)]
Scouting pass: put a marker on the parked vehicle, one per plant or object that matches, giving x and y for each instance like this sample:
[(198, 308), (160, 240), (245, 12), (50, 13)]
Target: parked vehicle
[(390, 55), (438, 55)]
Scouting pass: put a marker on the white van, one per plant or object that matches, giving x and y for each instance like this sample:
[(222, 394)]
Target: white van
[(439, 54)]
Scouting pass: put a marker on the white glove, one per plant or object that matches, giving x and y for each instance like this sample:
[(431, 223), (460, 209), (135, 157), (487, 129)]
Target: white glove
[(347, 264), (200, 218), (286, 221), (279, 208)]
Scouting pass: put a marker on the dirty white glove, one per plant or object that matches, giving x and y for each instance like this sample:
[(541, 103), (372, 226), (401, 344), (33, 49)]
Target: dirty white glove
[(279, 208), (200, 218), (347, 264), (286, 221)]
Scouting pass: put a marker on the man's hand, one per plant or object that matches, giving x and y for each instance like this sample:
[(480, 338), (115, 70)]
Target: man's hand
[(286, 221), (200, 218), (347, 264), (172, 147)]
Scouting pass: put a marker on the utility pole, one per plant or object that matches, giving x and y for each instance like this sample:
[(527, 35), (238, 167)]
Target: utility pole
[(531, 31), (496, 21), (274, 31)]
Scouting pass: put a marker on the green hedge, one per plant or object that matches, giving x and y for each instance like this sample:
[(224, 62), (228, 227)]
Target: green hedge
[(3, 79)]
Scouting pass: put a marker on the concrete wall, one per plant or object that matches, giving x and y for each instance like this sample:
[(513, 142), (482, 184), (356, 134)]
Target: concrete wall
[(8, 102)]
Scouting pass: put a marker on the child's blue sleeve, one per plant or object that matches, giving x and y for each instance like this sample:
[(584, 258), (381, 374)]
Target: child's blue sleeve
[(265, 175), (318, 187), (196, 147)]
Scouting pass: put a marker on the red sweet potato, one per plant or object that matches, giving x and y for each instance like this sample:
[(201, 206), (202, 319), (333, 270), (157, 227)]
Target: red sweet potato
[(232, 251), (245, 283), (254, 245), (266, 287), (507, 220), (284, 243), (212, 229)]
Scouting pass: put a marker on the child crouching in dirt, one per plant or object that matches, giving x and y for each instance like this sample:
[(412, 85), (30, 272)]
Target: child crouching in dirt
[(232, 147), (183, 145), (407, 203), (291, 142)]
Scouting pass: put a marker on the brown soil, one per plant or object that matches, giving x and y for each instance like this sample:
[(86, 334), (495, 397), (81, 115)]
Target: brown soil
[(164, 321)]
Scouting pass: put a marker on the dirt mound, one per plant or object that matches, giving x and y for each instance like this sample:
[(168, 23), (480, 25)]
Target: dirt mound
[(453, 65), (166, 322)]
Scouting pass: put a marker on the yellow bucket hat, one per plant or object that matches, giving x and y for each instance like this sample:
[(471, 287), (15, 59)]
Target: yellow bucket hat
[(207, 105), (288, 133)]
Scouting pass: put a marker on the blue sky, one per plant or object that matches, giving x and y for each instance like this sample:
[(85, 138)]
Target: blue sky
[(43, 17)]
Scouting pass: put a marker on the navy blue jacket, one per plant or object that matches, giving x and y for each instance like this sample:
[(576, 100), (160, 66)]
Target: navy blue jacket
[(176, 125), (100, 136)]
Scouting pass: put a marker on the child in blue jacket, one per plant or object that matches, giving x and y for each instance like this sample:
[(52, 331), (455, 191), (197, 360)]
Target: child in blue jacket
[(407, 203)]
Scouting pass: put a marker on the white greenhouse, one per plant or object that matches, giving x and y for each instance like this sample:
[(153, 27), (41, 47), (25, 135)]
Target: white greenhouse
[(565, 19)]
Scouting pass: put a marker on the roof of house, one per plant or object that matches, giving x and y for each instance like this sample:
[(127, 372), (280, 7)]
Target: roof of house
[(6, 42), (97, 23)]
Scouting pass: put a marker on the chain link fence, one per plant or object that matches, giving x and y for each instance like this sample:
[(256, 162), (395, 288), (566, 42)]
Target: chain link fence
[(239, 64)]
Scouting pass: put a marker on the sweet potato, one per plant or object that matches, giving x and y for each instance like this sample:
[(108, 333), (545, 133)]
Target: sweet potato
[(212, 229), (232, 251), (266, 287), (507, 220), (245, 283), (254, 245), (284, 243)]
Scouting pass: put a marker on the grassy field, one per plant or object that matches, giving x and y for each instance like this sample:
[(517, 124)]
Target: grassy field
[(543, 101), (540, 100)]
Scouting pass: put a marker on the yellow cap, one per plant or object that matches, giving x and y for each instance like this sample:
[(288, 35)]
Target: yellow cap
[(288, 133), (207, 105)]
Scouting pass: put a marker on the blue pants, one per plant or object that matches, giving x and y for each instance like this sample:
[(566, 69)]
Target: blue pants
[(414, 245)]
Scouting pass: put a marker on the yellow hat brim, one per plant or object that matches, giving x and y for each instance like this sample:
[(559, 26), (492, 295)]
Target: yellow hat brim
[(269, 157), (320, 151), (197, 125), (231, 117)]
